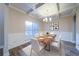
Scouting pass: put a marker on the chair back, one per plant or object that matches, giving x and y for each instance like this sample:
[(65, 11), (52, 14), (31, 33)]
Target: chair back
[(35, 45), (58, 41)]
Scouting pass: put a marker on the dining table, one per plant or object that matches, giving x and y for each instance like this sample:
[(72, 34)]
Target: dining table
[(46, 40)]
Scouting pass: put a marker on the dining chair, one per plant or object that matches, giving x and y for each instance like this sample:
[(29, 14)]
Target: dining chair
[(57, 43), (33, 49), (27, 50), (36, 47)]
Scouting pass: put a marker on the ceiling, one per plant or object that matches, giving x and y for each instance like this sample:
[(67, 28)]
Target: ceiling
[(27, 7), (42, 10)]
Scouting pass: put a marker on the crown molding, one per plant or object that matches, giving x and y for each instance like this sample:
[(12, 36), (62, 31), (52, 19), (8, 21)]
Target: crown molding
[(10, 6)]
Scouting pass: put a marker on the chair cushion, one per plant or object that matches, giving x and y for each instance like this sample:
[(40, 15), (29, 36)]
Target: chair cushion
[(56, 44), (27, 50)]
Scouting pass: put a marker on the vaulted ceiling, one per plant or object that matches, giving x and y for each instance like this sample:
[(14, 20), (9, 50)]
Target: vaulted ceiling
[(42, 10)]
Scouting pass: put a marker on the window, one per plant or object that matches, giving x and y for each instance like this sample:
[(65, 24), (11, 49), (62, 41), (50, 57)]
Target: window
[(31, 29)]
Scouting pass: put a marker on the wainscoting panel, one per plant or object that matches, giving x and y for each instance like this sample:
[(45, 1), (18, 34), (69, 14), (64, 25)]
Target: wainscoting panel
[(16, 39), (66, 36), (77, 41)]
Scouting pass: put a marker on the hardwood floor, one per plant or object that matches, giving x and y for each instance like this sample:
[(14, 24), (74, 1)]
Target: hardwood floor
[(15, 51), (69, 49)]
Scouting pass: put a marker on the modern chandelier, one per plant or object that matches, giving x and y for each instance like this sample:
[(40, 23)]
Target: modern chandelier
[(49, 19)]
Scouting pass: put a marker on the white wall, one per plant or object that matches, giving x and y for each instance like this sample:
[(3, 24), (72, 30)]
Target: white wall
[(65, 28), (16, 28), (1, 25), (6, 17), (67, 36), (16, 24), (77, 28)]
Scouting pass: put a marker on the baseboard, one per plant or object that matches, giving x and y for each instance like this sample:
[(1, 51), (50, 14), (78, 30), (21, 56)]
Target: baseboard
[(69, 41)]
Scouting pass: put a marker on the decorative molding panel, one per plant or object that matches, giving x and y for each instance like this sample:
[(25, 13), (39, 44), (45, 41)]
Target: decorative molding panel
[(16, 39), (77, 41)]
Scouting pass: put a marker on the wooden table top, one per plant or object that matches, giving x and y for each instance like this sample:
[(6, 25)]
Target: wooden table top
[(46, 39)]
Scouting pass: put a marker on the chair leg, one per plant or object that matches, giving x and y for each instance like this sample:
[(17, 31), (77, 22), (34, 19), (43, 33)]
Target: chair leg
[(31, 52), (49, 47), (60, 51)]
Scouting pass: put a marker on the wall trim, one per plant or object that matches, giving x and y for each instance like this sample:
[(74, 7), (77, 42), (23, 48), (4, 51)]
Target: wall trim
[(10, 6), (16, 39), (77, 41)]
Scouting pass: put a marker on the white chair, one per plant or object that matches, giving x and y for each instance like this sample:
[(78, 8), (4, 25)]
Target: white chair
[(36, 47), (33, 49), (27, 50), (57, 42)]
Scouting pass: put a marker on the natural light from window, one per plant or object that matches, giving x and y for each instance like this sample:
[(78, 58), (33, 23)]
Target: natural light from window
[(28, 23), (31, 29)]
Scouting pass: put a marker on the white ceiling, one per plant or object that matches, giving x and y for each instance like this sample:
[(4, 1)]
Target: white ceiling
[(66, 6), (47, 9), (24, 6)]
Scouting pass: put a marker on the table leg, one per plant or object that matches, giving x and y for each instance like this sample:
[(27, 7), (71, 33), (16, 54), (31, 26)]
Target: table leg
[(47, 47)]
